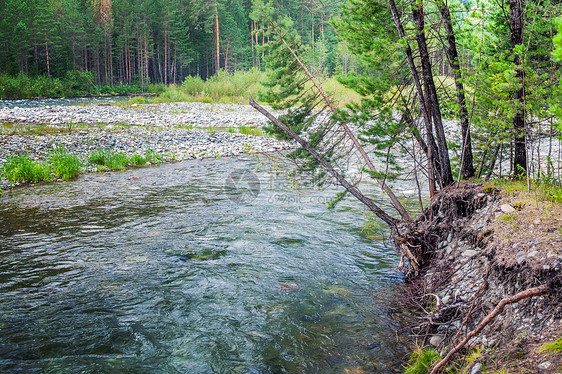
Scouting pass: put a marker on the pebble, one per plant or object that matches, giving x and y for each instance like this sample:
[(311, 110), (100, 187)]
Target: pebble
[(469, 253), (506, 208), (476, 368), (436, 340), (545, 365)]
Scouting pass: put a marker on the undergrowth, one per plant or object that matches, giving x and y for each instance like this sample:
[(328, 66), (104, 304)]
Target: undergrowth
[(540, 190), (73, 83), (552, 347)]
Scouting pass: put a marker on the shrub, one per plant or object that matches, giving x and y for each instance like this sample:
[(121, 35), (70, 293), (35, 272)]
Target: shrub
[(79, 82), (194, 86)]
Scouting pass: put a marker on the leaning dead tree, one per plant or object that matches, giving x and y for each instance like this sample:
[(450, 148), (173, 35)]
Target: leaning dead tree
[(318, 125)]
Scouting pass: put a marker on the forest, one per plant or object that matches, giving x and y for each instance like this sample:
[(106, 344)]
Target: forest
[(141, 41)]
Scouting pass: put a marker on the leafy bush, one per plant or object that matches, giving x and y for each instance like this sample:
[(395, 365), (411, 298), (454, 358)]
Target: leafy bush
[(64, 165), (194, 86), (23, 169), (79, 82)]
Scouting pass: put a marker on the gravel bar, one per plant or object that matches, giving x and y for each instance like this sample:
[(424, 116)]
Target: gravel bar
[(175, 131)]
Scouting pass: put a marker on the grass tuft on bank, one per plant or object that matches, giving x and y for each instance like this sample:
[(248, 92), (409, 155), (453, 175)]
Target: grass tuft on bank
[(61, 164), (64, 165), (106, 159), (23, 169), (421, 361)]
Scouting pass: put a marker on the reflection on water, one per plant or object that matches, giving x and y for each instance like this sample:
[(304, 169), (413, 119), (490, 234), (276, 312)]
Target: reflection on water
[(162, 270)]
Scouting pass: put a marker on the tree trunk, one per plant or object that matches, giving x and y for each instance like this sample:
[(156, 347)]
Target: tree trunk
[(520, 150), (444, 162), (348, 186), (47, 52), (166, 56), (419, 92), (467, 166), (217, 35)]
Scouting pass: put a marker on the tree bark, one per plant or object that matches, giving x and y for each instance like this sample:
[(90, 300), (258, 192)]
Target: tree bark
[(467, 166), (519, 128), (444, 162)]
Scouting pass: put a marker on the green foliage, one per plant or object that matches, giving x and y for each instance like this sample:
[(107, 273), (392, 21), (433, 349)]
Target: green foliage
[(340, 196), (22, 169), (557, 53), (421, 361), (64, 165), (74, 83)]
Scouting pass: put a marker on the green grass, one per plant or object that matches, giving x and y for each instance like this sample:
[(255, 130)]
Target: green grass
[(539, 190), (22, 169), (233, 87), (64, 165), (111, 160), (421, 361), (342, 95), (9, 128), (250, 130)]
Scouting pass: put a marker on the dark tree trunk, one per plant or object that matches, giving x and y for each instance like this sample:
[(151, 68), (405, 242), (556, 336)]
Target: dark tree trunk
[(520, 149), (445, 164), (421, 100), (467, 167)]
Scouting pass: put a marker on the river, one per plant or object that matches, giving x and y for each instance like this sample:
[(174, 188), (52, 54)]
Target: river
[(172, 269)]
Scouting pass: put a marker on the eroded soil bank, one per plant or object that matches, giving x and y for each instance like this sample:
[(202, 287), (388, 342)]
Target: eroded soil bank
[(475, 246)]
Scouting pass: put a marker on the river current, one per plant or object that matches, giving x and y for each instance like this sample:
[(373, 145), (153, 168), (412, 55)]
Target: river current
[(207, 266)]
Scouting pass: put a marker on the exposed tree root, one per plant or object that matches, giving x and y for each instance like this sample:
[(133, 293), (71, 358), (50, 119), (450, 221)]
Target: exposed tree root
[(535, 291)]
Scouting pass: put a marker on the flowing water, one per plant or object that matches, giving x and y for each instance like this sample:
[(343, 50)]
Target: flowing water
[(64, 101), (172, 269)]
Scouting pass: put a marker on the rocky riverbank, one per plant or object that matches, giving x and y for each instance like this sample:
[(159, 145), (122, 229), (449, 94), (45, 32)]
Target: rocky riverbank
[(184, 114), (175, 131), (478, 247)]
